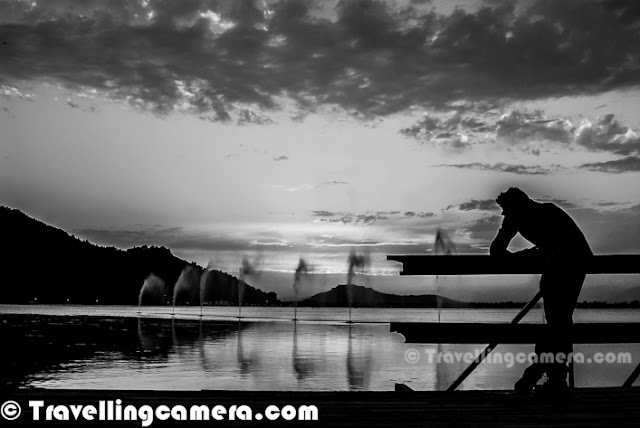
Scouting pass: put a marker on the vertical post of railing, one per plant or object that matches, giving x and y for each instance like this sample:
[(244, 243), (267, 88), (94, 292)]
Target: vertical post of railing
[(632, 377), (491, 346), (572, 374)]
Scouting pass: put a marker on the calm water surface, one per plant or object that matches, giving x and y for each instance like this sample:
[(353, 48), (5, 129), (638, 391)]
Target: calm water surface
[(106, 347)]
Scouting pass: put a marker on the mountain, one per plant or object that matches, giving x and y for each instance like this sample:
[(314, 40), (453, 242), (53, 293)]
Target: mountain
[(44, 264), (365, 297)]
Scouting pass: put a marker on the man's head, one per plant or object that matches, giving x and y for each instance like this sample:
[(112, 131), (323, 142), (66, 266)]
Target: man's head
[(513, 200)]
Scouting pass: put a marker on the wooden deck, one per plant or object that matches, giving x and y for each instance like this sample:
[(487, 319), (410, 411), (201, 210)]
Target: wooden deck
[(586, 408)]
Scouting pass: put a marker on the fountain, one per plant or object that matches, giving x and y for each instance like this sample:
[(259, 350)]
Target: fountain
[(188, 284), (301, 271), (152, 289), (356, 262), (205, 281), (246, 269), (444, 245)]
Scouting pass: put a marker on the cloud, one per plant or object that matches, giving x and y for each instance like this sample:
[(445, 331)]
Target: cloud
[(426, 215), (11, 92), (476, 205), (608, 135), (451, 134), (281, 158), (323, 216), (332, 183), (504, 167), (72, 104), (532, 133), (560, 202), (517, 127), (247, 116), (484, 229), (616, 166), (350, 218), (239, 59), (323, 213)]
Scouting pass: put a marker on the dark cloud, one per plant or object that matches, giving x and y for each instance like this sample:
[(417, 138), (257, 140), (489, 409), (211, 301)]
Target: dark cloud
[(607, 204), (478, 205), (247, 116), (426, 215), (530, 132), (324, 216), (518, 127), (72, 104), (616, 166), (414, 214), (323, 213), (503, 167), (609, 135), (450, 133), (281, 158), (332, 183), (236, 58), (560, 202), (484, 229)]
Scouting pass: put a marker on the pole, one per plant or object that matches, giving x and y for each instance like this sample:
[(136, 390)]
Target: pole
[(632, 377), (491, 346)]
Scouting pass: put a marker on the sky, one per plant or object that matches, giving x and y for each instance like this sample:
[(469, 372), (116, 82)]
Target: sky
[(286, 129)]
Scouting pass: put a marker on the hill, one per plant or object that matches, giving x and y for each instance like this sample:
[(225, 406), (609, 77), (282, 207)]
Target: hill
[(45, 264), (365, 297)]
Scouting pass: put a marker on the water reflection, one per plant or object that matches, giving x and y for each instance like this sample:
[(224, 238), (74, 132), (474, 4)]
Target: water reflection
[(359, 361), (151, 353), (303, 366)]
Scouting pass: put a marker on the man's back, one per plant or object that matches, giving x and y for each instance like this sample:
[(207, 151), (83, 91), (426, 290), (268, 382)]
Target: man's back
[(545, 225)]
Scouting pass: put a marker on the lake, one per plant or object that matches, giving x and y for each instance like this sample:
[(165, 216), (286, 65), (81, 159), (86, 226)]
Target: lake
[(122, 347)]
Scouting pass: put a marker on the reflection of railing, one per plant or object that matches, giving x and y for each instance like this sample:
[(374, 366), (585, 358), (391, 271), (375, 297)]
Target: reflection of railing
[(513, 332)]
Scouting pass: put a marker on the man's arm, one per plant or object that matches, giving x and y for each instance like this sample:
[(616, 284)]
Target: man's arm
[(501, 241)]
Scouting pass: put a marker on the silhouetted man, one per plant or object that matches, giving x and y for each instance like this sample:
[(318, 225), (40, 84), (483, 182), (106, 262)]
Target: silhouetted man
[(563, 251)]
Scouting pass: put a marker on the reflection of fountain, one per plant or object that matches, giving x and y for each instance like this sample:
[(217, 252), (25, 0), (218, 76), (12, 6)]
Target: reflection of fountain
[(443, 245), (302, 366), (356, 262), (244, 364), (301, 271), (201, 353), (148, 342), (358, 368), (156, 342)]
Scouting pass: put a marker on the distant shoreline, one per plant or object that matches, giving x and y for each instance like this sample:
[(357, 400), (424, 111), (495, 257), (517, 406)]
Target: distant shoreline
[(472, 305)]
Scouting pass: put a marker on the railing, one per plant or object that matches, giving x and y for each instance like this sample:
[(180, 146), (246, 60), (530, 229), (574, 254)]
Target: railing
[(512, 332)]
